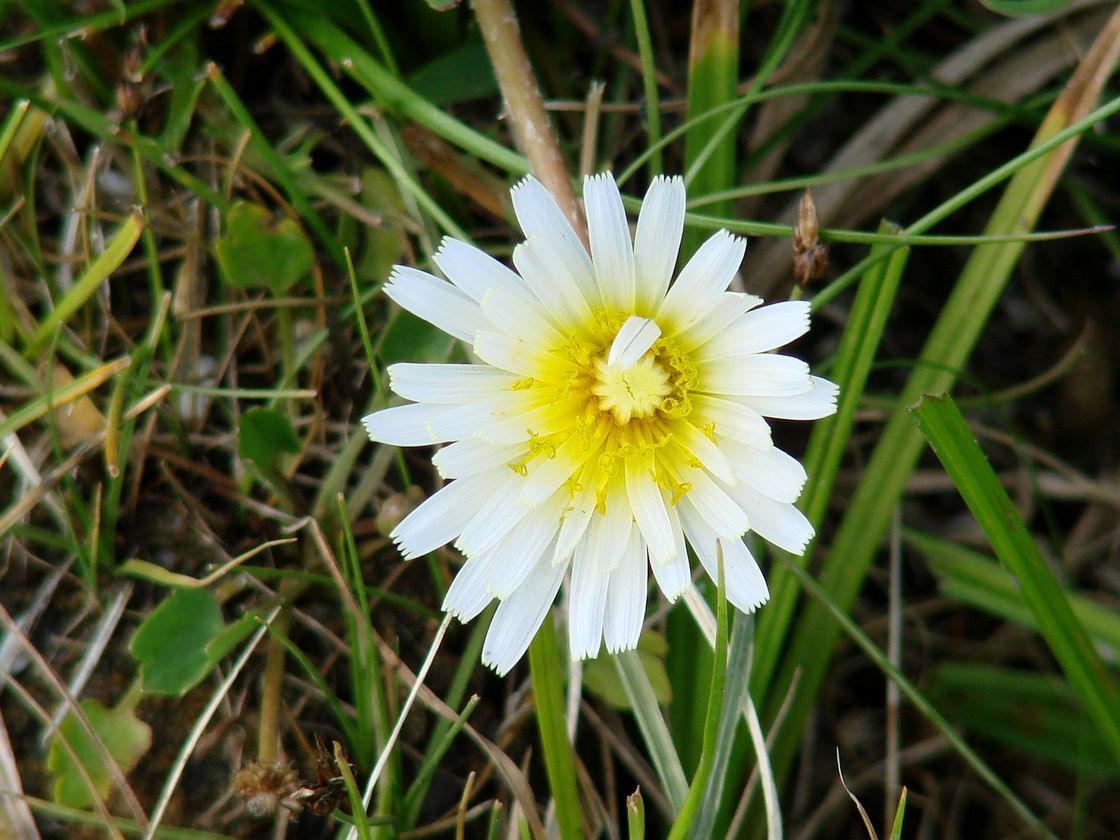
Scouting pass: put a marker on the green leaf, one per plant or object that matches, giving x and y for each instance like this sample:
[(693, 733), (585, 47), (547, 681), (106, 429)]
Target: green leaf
[(257, 254), (384, 245), (601, 678), (462, 75), (263, 434), (125, 737), (1024, 8), (171, 644), (409, 338), (950, 438), (1036, 714)]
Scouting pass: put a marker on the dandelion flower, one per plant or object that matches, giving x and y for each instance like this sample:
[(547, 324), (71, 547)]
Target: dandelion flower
[(613, 419)]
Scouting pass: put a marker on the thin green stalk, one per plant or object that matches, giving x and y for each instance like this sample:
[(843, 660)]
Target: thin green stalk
[(713, 79), (649, 84), (854, 358), (548, 696)]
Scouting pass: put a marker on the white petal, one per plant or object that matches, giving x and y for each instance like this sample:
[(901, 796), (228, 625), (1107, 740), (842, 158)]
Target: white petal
[(474, 271), (706, 275), (472, 455), (588, 599), (608, 532), (760, 330), (744, 582), (701, 449), (546, 474), (447, 384), (552, 281), (817, 402), (732, 419), (539, 215), (770, 471), (436, 301), (535, 418), (520, 549), (708, 502), (658, 240), (649, 511), (674, 576), (634, 338), (470, 592), (525, 358), (519, 317), (762, 375), (725, 308), (519, 616), (442, 516), (496, 517), (408, 425), (454, 422), (777, 522), (574, 526), (612, 252), (626, 598)]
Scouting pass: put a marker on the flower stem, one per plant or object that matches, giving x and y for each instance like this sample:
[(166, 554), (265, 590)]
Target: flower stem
[(532, 129)]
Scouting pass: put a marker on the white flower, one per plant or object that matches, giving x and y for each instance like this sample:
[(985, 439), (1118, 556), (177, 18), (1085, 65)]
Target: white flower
[(613, 419)]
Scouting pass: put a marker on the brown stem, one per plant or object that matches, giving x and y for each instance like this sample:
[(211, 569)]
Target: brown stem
[(532, 129)]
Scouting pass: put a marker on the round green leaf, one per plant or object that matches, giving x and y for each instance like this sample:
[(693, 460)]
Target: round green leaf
[(125, 737), (263, 434), (257, 254), (171, 643)]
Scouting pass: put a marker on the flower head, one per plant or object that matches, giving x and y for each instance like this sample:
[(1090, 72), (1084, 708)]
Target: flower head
[(612, 419)]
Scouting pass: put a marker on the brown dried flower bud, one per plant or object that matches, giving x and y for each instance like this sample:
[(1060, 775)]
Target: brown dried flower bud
[(810, 257)]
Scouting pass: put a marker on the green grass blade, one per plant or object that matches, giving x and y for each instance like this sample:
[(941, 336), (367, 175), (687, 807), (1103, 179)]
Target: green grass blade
[(854, 357), (427, 770), (652, 725), (900, 812), (947, 349), (397, 97), (738, 670), (548, 694), (970, 577), (950, 438), (358, 123), (927, 710), (108, 261), (683, 825), (280, 169), (649, 84), (636, 816)]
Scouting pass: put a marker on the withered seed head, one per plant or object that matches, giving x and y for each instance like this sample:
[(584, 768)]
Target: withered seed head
[(264, 787), (810, 258)]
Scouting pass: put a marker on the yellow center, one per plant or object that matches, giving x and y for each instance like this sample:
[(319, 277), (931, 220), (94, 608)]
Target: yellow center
[(637, 391), (619, 412)]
